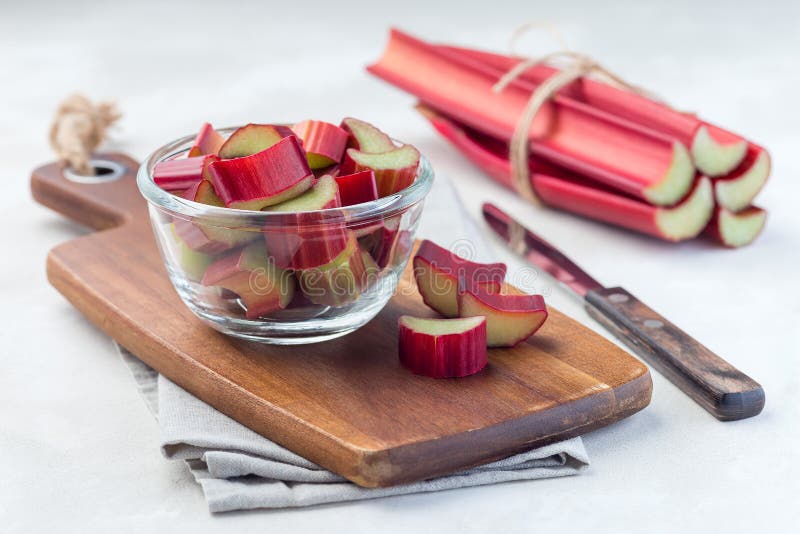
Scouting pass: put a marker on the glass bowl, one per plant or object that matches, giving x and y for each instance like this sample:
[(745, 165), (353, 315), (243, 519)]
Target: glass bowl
[(283, 277)]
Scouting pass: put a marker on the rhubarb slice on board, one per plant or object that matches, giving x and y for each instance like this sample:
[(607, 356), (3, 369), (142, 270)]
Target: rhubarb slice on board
[(260, 285), (571, 193), (737, 190), (207, 142), (394, 170), (323, 142), (265, 178), (737, 229), (442, 348), (640, 162), (253, 138), (366, 137), (438, 273), (510, 319), (715, 151)]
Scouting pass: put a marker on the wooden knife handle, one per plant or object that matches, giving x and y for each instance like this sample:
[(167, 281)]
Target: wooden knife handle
[(727, 393)]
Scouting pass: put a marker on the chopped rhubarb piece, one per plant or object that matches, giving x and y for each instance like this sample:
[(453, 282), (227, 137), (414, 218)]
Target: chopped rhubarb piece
[(323, 142), (269, 177), (574, 194), (193, 263), (203, 192), (442, 348), (641, 162), (737, 190), (253, 138), (737, 229), (366, 137), (181, 174), (338, 282), (262, 287), (438, 271), (207, 142), (381, 239), (715, 151), (322, 195), (394, 170), (304, 240), (510, 319), (357, 188)]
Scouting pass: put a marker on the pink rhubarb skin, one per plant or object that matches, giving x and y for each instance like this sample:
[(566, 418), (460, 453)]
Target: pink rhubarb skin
[(438, 272), (357, 188), (181, 174), (265, 178), (442, 348), (645, 164), (341, 280), (571, 193), (208, 141), (262, 287), (510, 319), (323, 142), (638, 109)]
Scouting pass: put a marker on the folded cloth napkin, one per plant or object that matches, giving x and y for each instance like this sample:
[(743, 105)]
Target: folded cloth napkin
[(239, 469)]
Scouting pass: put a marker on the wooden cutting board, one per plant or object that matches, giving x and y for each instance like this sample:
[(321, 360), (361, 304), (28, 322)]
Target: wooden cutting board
[(345, 404)]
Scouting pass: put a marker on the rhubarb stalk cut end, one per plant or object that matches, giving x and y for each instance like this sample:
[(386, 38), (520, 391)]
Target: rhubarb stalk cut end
[(676, 182), (736, 192), (715, 157), (687, 219), (739, 229)]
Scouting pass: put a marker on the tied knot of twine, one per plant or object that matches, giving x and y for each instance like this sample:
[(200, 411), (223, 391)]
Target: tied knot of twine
[(79, 127), (577, 65)]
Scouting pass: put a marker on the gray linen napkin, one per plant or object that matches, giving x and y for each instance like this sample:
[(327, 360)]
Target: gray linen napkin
[(239, 469)]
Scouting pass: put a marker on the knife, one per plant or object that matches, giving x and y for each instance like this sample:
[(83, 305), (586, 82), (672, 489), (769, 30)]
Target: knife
[(727, 393)]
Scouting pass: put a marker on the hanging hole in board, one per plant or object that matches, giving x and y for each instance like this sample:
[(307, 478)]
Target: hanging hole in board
[(104, 171)]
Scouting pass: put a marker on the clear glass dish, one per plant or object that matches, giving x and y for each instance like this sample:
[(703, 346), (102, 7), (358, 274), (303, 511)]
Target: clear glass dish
[(232, 268)]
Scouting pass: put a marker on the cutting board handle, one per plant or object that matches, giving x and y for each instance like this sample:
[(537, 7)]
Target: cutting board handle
[(104, 201)]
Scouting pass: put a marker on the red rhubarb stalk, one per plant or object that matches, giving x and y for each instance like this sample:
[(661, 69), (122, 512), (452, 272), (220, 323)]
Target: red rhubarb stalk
[(265, 178), (253, 138), (510, 319), (394, 170), (715, 151), (366, 137), (357, 188), (737, 229), (571, 193), (208, 141), (181, 174), (645, 164), (442, 348), (262, 287), (439, 272), (338, 282), (737, 190), (323, 142)]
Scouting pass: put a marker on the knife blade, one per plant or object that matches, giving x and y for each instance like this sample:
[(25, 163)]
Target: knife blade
[(724, 391)]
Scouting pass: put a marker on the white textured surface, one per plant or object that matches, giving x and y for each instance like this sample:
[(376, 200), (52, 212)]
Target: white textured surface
[(78, 449)]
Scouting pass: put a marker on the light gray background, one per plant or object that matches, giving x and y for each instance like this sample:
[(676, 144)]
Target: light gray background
[(78, 449)]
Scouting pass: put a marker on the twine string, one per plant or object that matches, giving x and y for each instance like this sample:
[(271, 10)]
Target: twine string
[(577, 65), (78, 128)]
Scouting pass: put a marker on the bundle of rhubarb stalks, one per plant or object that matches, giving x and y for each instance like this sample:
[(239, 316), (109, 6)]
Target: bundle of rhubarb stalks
[(596, 150)]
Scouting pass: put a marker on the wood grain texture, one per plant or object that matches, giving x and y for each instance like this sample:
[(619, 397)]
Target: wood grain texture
[(727, 393), (345, 404)]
